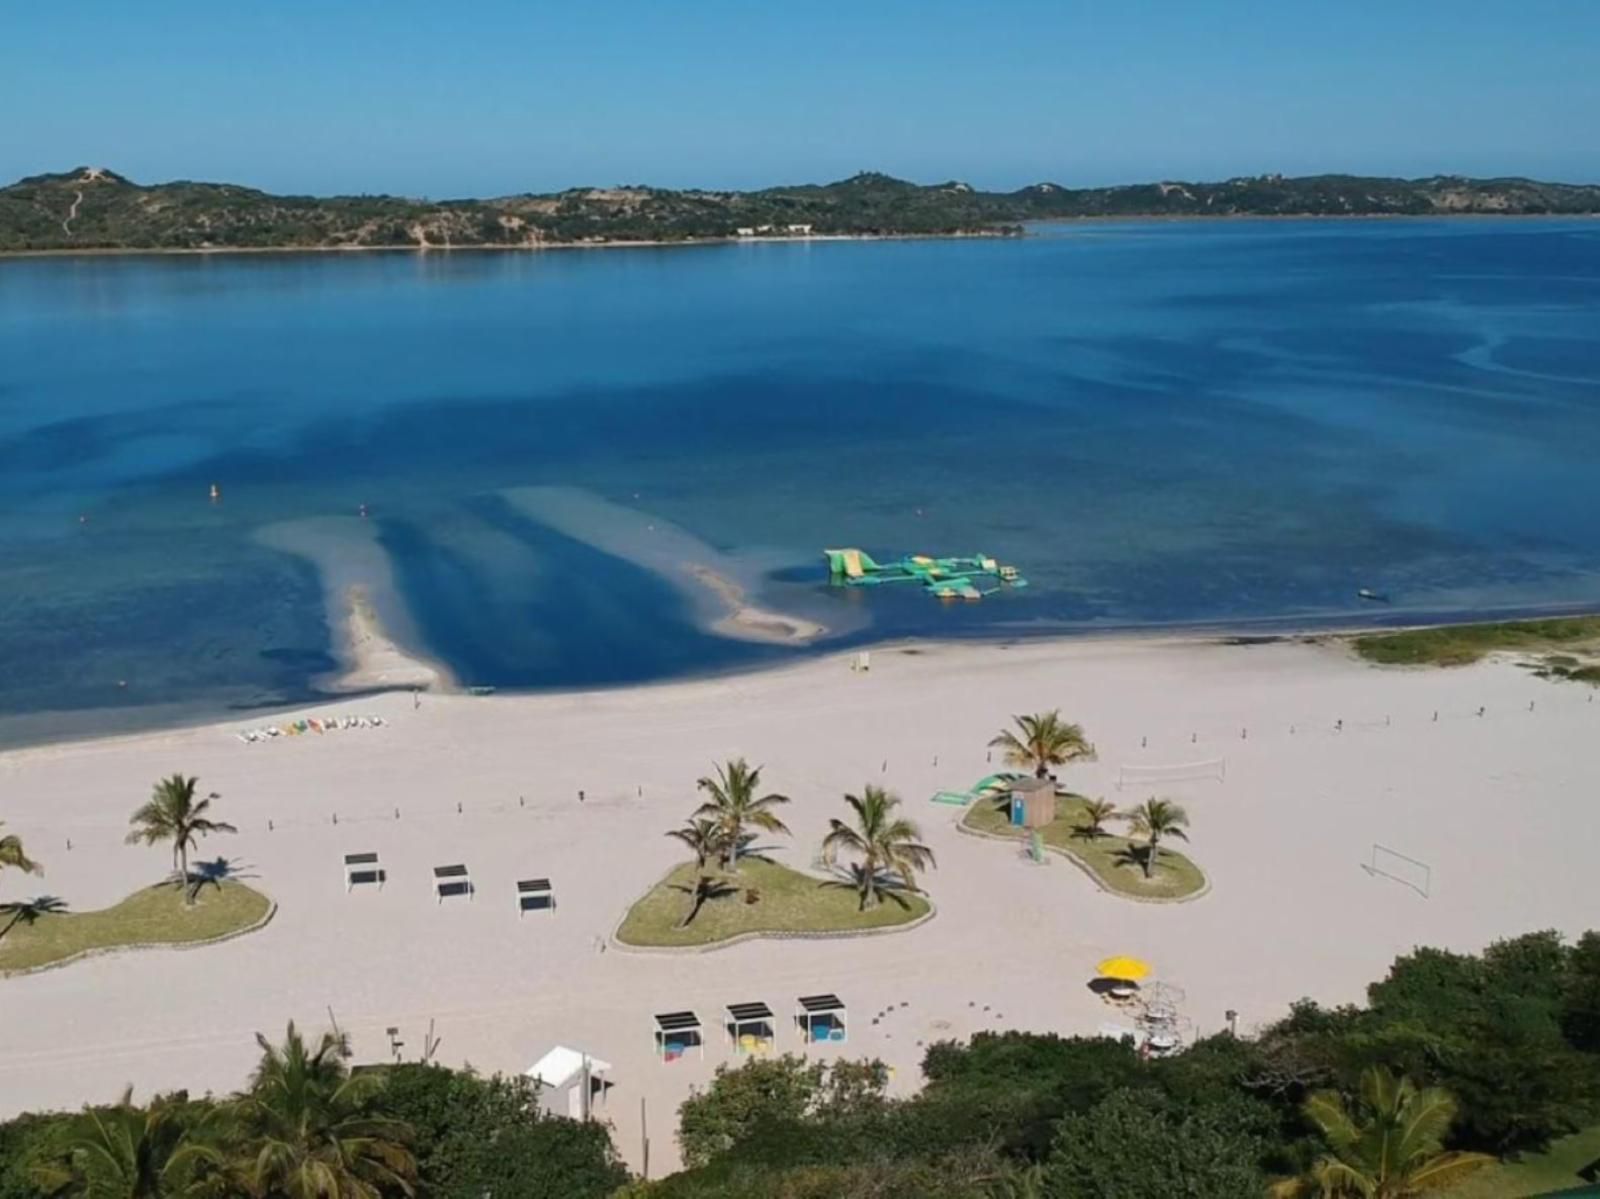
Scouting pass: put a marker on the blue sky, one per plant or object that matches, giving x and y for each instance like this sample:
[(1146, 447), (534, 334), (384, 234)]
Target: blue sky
[(495, 96)]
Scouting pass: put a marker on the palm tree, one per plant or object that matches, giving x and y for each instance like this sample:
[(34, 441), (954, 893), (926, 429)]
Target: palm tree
[(26, 911), (1153, 820), (1391, 1148), (702, 837), (735, 805), (1095, 814), (886, 844), (309, 1131), (173, 814), (13, 856), (1041, 741), (125, 1152)]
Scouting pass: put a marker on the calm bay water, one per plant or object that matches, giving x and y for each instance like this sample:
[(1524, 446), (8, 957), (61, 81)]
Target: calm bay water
[(1240, 423)]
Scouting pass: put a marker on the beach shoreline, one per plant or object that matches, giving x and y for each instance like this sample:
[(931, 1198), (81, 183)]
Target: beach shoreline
[(788, 239), (167, 719)]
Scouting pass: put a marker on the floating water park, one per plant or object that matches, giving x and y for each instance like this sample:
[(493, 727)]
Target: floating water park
[(945, 578)]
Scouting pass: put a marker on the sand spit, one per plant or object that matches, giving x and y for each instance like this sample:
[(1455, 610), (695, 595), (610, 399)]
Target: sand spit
[(717, 584), (745, 620), (365, 613)]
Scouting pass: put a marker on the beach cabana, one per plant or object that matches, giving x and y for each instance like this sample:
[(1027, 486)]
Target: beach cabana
[(750, 1027), (821, 1017), (675, 1032), (534, 893), (451, 880), (560, 1075), (362, 868)]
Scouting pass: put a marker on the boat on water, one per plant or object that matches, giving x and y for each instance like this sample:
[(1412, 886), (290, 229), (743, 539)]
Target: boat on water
[(1376, 597)]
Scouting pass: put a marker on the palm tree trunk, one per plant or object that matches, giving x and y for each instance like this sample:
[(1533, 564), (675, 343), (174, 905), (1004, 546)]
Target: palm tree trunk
[(1150, 857), (183, 872), (11, 924)]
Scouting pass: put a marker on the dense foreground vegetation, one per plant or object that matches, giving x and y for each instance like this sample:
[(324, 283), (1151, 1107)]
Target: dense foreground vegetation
[(1454, 1057), (1454, 1061), (96, 209)]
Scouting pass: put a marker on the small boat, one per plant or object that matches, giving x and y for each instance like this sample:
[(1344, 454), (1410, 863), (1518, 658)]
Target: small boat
[(1376, 597)]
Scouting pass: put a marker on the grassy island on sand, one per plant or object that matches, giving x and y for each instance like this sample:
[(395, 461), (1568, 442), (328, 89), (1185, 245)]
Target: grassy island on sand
[(1572, 645), (154, 916), (786, 901), (1115, 861)]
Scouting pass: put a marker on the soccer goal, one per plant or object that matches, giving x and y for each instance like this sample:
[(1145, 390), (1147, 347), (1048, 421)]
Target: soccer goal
[(1211, 770), (1397, 867)]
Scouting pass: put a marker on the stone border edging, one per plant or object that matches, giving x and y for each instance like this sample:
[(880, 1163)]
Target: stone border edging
[(1205, 889), (135, 946), (774, 935)]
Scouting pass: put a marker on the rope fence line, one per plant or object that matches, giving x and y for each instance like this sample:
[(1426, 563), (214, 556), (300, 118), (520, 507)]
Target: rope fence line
[(98, 832), (1364, 723)]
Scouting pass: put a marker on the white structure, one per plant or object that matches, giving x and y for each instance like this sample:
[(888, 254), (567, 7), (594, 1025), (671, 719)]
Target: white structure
[(560, 1075), (363, 868), (745, 231), (799, 230), (452, 880)]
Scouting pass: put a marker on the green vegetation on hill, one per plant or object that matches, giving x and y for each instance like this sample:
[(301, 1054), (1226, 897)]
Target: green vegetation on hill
[(1462, 644), (87, 209)]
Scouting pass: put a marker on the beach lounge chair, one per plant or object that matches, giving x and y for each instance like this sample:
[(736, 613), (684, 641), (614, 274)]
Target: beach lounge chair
[(452, 880), (535, 893)]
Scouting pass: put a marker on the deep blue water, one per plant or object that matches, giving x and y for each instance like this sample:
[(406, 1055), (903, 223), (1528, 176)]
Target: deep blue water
[(1239, 422)]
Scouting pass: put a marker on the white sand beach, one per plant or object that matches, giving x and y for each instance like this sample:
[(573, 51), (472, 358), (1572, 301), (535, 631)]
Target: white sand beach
[(1324, 756)]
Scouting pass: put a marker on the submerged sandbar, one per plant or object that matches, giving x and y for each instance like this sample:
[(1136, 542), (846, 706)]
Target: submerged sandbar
[(366, 616), (715, 583)]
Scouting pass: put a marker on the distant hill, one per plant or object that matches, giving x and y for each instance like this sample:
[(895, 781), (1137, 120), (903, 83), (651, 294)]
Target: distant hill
[(92, 208)]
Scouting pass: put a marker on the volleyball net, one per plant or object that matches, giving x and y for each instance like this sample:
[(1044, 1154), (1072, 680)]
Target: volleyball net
[(1210, 770)]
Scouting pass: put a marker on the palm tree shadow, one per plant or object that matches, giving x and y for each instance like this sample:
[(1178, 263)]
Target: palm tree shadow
[(889, 885), (1134, 856), (214, 873), (749, 851), (27, 911), (705, 889)]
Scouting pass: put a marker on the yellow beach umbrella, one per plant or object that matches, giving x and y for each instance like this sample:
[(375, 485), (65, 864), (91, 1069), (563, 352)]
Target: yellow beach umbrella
[(1124, 969)]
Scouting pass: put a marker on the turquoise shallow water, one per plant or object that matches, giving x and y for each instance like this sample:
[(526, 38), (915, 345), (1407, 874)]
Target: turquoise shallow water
[(1237, 423)]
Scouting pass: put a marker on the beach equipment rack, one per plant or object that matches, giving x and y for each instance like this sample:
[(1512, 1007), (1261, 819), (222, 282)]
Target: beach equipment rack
[(676, 1032), (822, 1017), (758, 1019)]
